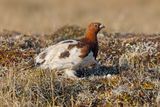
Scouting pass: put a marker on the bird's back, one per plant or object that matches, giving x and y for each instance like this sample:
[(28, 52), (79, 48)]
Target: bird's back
[(65, 54)]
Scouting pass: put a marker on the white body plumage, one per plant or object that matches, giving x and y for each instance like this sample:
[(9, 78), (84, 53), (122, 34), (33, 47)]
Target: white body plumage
[(50, 57)]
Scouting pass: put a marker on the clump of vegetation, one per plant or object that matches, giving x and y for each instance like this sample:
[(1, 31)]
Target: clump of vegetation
[(132, 59), (68, 32)]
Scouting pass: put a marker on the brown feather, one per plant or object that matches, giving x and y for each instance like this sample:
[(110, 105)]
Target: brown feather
[(43, 55), (89, 42), (64, 54)]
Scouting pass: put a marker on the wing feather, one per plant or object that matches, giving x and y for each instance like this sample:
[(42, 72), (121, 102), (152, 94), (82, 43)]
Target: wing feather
[(52, 57)]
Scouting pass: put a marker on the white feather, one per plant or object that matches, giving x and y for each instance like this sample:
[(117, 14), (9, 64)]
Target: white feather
[(52, 60)]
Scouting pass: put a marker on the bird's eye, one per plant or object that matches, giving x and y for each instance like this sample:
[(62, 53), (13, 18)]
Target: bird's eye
[(96, 25)]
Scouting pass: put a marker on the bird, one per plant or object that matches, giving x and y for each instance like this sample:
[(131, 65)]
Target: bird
[(72, 54)]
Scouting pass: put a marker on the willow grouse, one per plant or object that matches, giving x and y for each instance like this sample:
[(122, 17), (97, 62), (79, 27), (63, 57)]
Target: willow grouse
[(71, 55)]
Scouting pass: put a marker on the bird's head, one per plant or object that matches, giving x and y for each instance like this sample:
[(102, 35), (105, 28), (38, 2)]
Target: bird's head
[(92, 30), (95, 27)]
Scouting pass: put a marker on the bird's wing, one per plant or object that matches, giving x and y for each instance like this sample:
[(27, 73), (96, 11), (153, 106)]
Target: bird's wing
[(65, 54)]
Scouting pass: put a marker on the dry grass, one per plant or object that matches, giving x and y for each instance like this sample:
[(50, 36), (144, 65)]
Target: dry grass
[(132, 59)]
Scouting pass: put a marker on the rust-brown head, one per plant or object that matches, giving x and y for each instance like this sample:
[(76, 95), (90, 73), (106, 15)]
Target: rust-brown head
[(93, 29)]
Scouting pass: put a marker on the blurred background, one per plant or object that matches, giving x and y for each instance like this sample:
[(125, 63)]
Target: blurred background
[(45, 16)]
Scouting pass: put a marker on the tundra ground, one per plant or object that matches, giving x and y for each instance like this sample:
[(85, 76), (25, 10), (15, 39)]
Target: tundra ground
[(133, 60)]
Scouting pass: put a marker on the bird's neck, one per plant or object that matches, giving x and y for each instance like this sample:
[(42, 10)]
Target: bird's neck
[(91, 39), (91, 36)]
